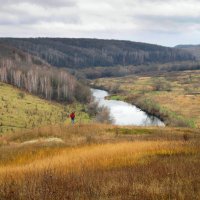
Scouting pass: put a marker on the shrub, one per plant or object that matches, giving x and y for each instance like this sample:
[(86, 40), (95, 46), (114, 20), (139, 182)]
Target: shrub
[(21, 95), (103, 115), (82, 93), (92, 108), (162, 85), (115, 89), (100, 113)]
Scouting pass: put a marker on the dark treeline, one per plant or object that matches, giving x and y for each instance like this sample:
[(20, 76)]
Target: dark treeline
[(33, 75), (81, 53), (119, 71), (193, 49)]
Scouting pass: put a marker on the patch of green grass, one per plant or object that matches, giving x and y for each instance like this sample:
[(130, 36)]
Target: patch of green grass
[(180, 120), (116, 97), (20, 110)]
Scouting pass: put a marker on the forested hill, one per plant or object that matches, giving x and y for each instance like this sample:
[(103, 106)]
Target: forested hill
[(37, 77), (193, 49), (80, 53)]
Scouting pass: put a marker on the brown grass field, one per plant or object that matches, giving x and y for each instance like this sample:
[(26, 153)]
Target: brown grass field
[(173, 96), (99, 161)]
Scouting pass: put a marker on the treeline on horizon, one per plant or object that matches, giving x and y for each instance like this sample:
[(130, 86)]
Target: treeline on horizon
[(120, 71), (81, 53), (33, 75)]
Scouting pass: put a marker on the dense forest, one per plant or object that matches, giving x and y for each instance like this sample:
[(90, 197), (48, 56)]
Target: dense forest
[(37, 77), (81, 53), (193, 49)]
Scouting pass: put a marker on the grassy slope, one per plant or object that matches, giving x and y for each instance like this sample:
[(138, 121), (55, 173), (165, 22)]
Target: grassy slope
[(178, 107), (19, 110), (105, 162)]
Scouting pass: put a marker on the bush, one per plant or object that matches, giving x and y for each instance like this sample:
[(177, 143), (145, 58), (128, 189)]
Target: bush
[(92, 108), (115, 89), (162, 85), (82, 93), (103, 115), (21, 95)]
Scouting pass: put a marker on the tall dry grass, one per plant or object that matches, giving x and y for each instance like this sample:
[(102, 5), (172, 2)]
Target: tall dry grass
[(95, 161), (125, 170)]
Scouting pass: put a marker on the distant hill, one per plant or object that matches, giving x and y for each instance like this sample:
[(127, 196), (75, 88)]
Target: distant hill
[(81, 53), (187, 45), (193, 49), (32, 74)]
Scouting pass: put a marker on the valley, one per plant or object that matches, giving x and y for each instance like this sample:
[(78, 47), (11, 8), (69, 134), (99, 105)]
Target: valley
[(43, 156), (99, 100)]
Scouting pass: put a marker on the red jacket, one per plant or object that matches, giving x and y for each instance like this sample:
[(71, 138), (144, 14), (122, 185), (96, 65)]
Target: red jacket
[(72, 115)]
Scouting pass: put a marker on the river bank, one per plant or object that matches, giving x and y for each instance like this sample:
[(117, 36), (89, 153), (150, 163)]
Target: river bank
[(150, 109), (167, 96), (124, 113)]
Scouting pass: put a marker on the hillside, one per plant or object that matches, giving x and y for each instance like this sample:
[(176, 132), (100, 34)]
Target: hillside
[(193, 49), (39, 78), (80, 53), (20, 110)]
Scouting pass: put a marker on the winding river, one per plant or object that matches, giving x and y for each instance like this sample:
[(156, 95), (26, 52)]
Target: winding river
[(124, 113)]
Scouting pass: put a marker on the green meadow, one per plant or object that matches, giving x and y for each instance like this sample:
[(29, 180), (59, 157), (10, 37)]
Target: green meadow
[(20, 110)]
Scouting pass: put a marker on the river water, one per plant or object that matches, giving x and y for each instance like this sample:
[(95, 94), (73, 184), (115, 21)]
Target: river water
[(124, 113)]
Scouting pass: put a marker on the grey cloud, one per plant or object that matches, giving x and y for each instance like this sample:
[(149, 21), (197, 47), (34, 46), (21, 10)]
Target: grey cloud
[(142, 20), (172, 19), (12, 13), (164, 1), (168, 24), (43, 3), (30, 20)]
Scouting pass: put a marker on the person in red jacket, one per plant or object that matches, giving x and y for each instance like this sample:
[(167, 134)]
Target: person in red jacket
[(72, 116)]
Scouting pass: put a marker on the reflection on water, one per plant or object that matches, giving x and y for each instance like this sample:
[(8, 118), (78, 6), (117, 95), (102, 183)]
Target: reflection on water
[(124, 113)]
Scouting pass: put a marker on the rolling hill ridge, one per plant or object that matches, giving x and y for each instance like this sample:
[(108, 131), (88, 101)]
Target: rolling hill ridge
[(81, 53)]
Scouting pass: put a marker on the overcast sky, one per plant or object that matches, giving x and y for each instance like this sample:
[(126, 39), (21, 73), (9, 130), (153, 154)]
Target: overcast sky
[(165, 22)]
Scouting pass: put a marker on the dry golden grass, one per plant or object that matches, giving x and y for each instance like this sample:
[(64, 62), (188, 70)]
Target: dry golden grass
[(110, 162), (78, 161), (95, 157)]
